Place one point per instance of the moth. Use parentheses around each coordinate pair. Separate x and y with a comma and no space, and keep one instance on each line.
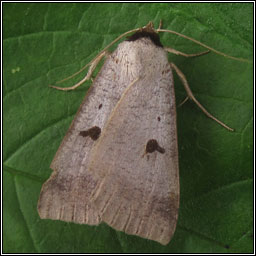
(118,162)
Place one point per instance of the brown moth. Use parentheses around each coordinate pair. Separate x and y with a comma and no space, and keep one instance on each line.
(118,162)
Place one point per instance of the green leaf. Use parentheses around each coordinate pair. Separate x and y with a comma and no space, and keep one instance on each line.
(46,42)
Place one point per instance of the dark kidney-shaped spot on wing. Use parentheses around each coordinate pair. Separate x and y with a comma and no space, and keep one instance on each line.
(152,146)
(93,132)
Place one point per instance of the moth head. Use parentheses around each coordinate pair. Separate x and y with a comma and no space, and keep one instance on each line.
(149,27)
(147,32)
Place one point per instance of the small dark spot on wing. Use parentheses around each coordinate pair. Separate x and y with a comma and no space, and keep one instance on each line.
(100,106)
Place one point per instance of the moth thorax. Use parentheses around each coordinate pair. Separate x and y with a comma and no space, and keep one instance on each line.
(140,56)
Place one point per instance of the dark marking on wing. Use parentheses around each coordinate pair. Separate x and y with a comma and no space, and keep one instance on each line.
(93,132)
(159,119)
(152,146)
(100,106)
(146,32)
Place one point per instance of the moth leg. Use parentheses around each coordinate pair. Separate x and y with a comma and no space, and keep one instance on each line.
(192,97)
(160,24)
(93,65)
(171,50)
(185,100)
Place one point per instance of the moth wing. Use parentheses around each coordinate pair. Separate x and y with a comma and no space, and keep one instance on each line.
(65,195)
(139,191)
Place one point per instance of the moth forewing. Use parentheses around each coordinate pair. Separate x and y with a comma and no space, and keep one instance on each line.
(65,196)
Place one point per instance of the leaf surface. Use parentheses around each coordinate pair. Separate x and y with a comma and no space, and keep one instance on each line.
(46,42)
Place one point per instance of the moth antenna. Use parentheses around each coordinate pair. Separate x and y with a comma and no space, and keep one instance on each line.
(203,45)
(168,49)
